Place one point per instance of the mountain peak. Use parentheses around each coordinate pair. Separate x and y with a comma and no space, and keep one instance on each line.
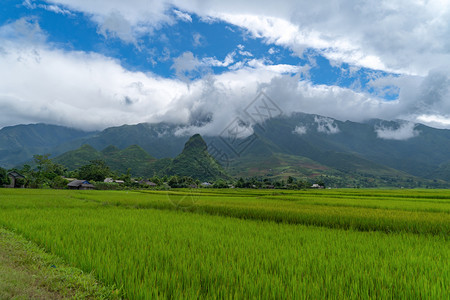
(195,143)
(195,161)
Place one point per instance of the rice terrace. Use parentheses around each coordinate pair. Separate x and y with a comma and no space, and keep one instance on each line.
(243,243)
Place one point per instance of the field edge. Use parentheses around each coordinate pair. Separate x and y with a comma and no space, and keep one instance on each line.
(27,271)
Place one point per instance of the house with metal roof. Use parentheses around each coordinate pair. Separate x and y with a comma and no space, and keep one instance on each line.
(80,185)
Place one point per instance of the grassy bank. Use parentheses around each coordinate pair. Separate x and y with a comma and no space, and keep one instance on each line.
(28,272)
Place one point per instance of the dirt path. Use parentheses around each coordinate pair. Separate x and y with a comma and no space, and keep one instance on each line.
(27,272)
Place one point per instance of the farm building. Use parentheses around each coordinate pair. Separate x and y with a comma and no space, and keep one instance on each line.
(80,185)
(317,186)
(13,176)
(110,180)
(148,182)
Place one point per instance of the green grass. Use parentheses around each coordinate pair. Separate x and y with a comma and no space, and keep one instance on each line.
(28,272)
(173,253)
(421,211)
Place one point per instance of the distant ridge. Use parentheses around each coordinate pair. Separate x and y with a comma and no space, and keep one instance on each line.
(374,153)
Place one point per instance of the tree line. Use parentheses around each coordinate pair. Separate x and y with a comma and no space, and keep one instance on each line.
(47,174)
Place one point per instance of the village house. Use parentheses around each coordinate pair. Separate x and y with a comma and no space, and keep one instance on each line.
(148,182)
(110,180)
(80,185)
(13,176)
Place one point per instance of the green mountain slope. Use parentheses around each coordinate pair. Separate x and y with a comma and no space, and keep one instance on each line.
(19,143)
(196,162)
(357,147)
(193,161)
(133,157)
(77,158)
(345,148)
(159,140)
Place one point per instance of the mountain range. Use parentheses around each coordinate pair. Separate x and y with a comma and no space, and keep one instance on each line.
(373,153)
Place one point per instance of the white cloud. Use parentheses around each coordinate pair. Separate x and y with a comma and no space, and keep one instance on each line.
(198,39)
(245,53)
(435,120)
(406,131)
(272,51)
(127,20)
(326,125)
(28,4)
(186,65)
(91,91)
(25,31)
(56,9)
(114,24)
(82,90)
(408,37)
(300,130)
(87,90)
(183,16)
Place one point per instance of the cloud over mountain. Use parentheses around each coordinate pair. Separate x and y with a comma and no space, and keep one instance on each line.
(404,132)
(41,81)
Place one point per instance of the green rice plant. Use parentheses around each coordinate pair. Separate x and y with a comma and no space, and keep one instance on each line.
(170,253)
(416,215)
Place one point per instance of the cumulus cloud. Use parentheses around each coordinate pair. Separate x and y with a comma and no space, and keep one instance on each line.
(186,66)
(114,24)
(326,125)
(402,36)
(126,20)
(91,91)
(83,90)
(409,39)
(405,131)
(25,31)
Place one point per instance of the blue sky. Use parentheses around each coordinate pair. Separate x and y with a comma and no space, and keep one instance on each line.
(152,61)
(155,53)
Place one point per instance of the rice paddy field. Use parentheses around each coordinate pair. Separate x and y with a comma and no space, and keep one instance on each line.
(271,244)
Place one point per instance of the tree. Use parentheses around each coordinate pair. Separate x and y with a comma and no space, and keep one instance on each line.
(173,181)
(290,180)
(96,170)
(155,179)
(46,168)
(240,183)
(220,184)
(4,179)
(45,172)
